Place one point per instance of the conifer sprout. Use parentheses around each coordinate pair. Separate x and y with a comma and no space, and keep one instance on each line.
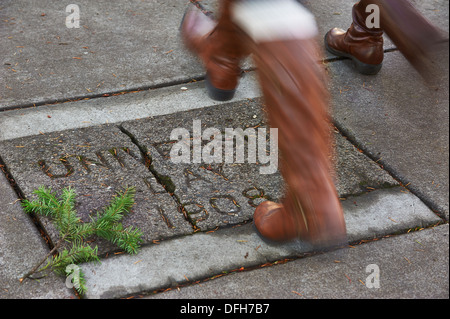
(74,233)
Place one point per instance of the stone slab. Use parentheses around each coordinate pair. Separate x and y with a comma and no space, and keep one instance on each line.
(204,255)
(355,173)
(21,247)
(399,122)
(119,47)
(96,162)
(221,194)
(214,194)
(116,108)
(127,46)
(411,266)
(385,212)
(99,160)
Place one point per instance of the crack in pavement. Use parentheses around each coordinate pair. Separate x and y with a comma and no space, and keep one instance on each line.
(164,180)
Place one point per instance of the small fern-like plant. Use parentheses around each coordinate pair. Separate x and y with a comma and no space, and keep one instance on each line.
(74,233)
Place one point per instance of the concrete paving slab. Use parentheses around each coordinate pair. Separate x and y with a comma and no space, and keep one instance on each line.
(127,46)
(355,173)
(224,193)
(398,121)
(410,266)
(220,193)
(115,109)
(96,162)
(117,47)
(99,159)
(204,255)
(21,247)
(385,212)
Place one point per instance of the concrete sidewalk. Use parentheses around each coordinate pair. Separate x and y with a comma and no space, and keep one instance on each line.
(123,82)
(408,266)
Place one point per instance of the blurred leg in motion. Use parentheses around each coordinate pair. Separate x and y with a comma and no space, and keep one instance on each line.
(281,35)
(219,46)
(293,85)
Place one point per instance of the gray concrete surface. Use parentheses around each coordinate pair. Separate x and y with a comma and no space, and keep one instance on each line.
(400,122)
(115,109)
(126,46)
(21,247)
(392,159)
(118,47)
(98,161)
(408,266)
(204,255)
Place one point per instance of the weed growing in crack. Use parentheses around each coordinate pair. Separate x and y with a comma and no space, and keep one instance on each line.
(74,233)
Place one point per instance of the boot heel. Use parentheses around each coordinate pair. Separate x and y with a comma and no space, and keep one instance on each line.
(367,69)
(218,94)
(363,68)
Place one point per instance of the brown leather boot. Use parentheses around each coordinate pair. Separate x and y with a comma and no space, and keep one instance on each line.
(294,88)
(317,219)
(415,37)
(219,47)
(361,44)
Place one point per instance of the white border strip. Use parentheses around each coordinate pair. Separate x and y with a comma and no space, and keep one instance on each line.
(131,106)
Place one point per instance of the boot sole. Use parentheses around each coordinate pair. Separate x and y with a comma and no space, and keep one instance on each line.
(363,68)
(271,242)
(218,94)
(213,92)
(312,247)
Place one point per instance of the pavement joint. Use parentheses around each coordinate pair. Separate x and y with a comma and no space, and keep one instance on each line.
(390,170)
(189,283)
(164,180)
(74,99)
(387,167)
(392,178)
(20,196)
(101,95)
(378,215)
